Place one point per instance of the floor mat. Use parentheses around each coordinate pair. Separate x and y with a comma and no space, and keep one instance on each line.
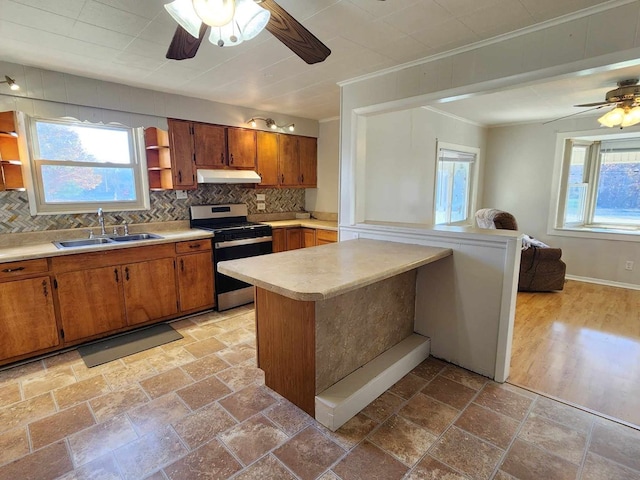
(127,344)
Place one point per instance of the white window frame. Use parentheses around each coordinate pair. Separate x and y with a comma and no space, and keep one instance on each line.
(473,181)
(34,184)
(586,229)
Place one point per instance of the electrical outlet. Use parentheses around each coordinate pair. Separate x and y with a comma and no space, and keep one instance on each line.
(628,265)
(261,197)
(261,206)
(181,194)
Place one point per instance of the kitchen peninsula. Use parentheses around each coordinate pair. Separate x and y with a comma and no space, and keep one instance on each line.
(335,323)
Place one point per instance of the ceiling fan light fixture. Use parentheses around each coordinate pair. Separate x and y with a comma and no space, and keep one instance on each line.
(228,35)
(612,118)
(215,13)
(183,12)
(631,117)
(251,18)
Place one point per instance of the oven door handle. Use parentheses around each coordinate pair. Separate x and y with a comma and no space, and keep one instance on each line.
(244,241)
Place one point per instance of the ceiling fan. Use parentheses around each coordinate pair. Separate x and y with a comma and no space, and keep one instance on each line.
(626,99)
(193,26)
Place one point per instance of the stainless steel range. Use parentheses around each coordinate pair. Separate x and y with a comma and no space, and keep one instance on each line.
(233,237)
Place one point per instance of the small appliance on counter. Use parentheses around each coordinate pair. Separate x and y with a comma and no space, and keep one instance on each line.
(233,237)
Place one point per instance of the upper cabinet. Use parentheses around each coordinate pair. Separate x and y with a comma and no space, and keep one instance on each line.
(210,145)
(241,145)
(287,160)
(10,158)
(182,154)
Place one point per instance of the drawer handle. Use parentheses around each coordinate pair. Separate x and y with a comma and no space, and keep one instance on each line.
(194,245)
(9,270)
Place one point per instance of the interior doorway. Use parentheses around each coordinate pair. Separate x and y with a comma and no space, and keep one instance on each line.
(581,346)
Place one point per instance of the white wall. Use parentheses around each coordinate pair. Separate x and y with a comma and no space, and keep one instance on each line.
(325,197)
(400,163)
(519,178)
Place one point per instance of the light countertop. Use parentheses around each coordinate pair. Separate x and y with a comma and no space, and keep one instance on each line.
(304,222)
(326,271)
(29,250)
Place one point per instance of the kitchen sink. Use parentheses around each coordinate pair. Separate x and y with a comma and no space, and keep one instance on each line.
(135,236)
(111,240)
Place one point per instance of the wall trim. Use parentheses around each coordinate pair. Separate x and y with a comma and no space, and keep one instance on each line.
(599,281)
(602,7)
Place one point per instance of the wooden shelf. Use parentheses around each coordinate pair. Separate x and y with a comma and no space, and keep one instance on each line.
(158,159)
(10,160)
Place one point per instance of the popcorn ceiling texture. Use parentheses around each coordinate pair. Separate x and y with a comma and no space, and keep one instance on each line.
(16,218)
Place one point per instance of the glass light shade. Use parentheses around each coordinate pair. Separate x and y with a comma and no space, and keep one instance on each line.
(215,13)
(612,117)
(228,35)
(251,18)
(14,86)
(631,117)
(182,12)
(292,127)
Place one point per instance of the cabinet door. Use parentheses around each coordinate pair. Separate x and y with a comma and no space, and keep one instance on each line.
(90,302)
(27,317)
(149,290)
(210,145)
(183,165)
(308,161)
(242,147)
(309,237)
(279,240)
(294,238)
(288,160)
(195,280)
(267,158)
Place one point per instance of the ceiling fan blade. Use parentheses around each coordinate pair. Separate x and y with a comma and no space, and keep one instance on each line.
(594,104)
(291,32)
(183,45)
(594,107)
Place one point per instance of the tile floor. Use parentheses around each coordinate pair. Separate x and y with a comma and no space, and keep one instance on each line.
(197,408)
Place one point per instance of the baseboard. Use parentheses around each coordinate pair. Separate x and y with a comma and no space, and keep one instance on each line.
(609,283)
(340,402)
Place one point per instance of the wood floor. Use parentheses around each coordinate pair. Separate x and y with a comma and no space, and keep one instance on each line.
(581,345)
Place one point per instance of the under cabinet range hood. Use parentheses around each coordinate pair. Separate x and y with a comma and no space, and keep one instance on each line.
(227,176)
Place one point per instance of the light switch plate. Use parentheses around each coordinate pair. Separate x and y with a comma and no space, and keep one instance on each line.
(260,197)
(181,194)
(261,206)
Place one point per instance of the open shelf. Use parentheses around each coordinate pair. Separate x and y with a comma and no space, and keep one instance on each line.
(156,143)
(10,160)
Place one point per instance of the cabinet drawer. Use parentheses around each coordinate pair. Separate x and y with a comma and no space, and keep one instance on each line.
(193,246)
(26,267)
(327,235)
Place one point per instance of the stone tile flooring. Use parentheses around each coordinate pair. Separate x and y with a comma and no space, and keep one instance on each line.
(197,408)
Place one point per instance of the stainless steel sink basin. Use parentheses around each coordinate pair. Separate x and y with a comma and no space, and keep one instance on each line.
(111,240)
(82,243)
(135,236)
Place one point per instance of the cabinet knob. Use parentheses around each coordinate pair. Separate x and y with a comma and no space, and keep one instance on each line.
(222,159)
(282,178)
(231,158)
(182,265)
(301,178)
(126,273)
(180,176)
(45,291)
(116,272)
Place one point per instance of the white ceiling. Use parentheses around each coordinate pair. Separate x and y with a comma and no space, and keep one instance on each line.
(125,41)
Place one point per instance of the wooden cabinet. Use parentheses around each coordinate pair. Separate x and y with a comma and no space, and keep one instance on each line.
(195,281)
(91,302)
(308,237)
(326,236)
(182,155)
(209,145)
(241,146)
(149,290)
(10,151)
(279,240)
(286,160)
(294,238)
(27,316)
(159,166)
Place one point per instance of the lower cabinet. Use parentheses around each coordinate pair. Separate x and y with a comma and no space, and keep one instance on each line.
(149,290)
(291,238)
(28,317)
(195,281)
(326,236)
(91,302)
(279,240)
(308,237)
(294,238)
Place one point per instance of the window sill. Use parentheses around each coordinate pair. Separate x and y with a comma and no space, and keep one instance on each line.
(617,234)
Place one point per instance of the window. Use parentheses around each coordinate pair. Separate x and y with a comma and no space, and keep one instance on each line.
(78,167)
(455,178)
(602,183)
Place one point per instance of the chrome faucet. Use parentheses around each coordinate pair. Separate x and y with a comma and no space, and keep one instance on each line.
(101,222)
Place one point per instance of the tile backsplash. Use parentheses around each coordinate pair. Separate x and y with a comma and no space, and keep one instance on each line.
(16,218)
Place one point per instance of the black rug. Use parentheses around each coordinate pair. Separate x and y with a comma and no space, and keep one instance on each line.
(126,344)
